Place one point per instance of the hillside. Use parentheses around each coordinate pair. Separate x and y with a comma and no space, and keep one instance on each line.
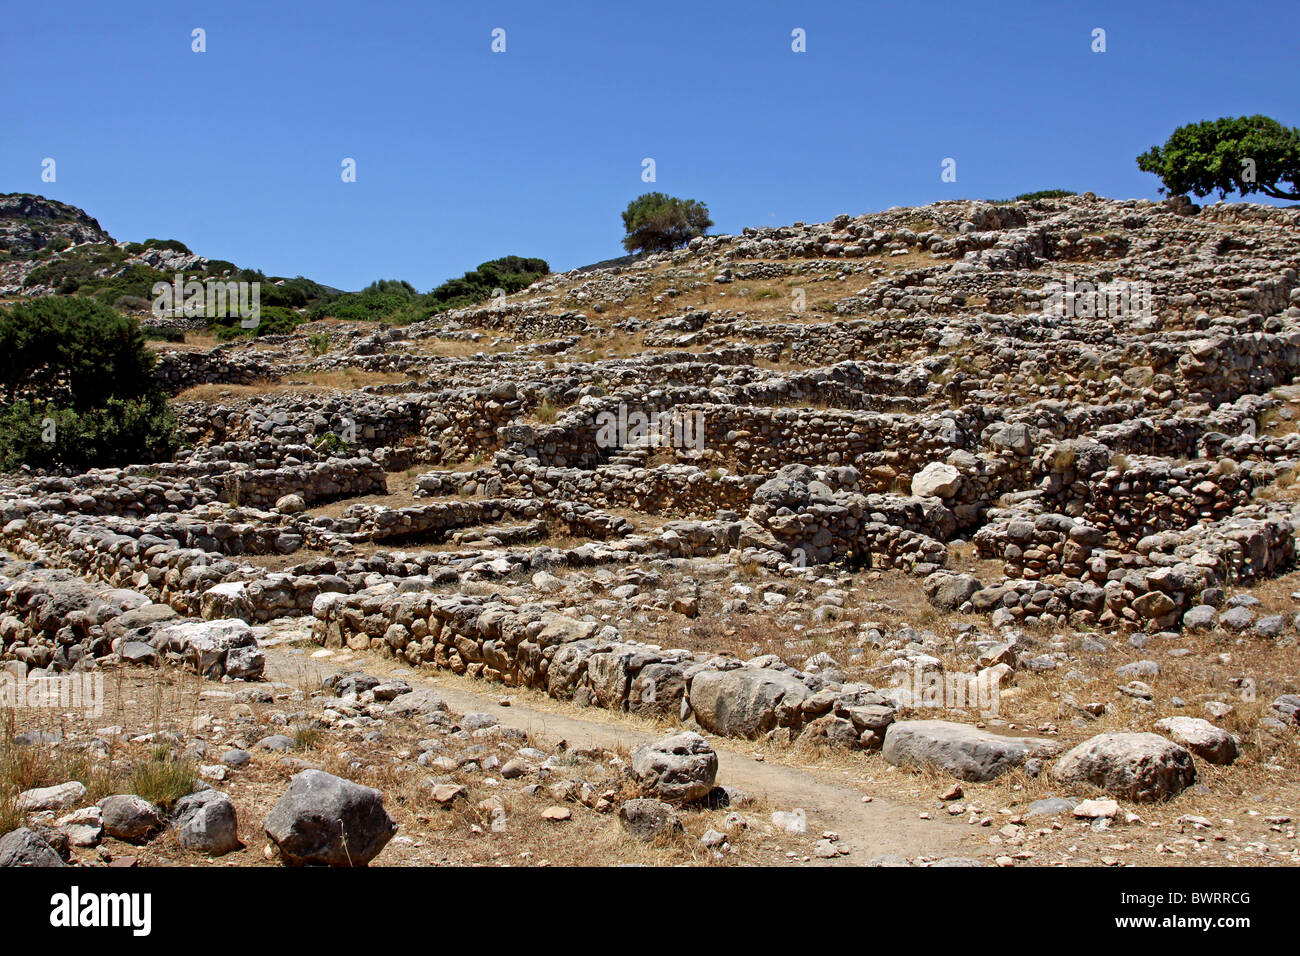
(51,248)
(944,527)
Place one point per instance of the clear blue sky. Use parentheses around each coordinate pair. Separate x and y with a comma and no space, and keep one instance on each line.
(464,155)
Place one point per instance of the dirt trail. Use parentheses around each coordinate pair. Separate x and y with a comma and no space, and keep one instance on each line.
(881,828)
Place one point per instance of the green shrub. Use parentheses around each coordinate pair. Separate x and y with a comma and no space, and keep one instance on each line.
(1046,194)
(330,442)
(174,244)
(396,302)
(120,432)
(78,388)
(376,301)
(133,303)
(1038,194)
(272,320)
(164,333)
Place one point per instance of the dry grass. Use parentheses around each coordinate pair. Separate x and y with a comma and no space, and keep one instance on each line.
(347,378)
(429,833)
(300,383)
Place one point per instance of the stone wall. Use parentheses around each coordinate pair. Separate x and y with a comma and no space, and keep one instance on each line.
(591,665)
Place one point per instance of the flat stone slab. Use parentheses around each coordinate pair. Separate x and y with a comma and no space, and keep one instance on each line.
(960,750)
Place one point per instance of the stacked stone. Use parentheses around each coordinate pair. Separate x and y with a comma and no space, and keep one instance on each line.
(591,665)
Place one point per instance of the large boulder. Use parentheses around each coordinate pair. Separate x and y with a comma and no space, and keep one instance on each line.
(214,648)
(1015,438)
(1202,738)
(1139,767)
(1201,618)
(350,683)
(1287,707)
(961,750)
(26,847)
(657,691)
(130,818)
(228,599)
(140,624)
(416,703)
(948,591)
(794,486)
(138,652)
(326,820)
(565,630)
(677,768)
(936,480)
(290,504)
(206,822)
(746,701)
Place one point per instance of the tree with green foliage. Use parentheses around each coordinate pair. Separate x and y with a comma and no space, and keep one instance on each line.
(78,389)
(656,222)
(1244,154)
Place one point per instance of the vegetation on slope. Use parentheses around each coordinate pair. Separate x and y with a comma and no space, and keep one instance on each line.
(77,388)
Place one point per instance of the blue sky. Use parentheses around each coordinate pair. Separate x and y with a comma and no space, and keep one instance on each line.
(464,154)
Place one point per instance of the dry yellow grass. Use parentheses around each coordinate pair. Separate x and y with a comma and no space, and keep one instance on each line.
(164,701)
(301,383)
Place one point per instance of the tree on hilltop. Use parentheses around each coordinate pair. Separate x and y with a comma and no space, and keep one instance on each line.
(655,222)
(1244,154)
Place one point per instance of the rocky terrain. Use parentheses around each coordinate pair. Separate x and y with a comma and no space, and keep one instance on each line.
(962,534)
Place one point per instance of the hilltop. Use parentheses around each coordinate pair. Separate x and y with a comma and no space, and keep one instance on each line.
(975,521)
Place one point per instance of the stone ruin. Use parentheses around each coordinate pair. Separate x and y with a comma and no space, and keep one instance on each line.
(1107,470)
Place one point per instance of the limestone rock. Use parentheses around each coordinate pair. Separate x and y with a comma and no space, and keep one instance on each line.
(1139,767)
(678,768)
(324,819)
(961,750)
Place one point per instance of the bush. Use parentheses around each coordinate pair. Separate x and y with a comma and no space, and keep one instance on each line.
(272,320)
(121,432)
(659,223)
(374,302)
(396,302)
(174,244)
(133,303)
(1037,194)
(1046,194)
(164,333)
(78,388)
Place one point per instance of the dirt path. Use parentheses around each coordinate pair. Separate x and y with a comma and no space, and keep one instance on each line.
(881,828)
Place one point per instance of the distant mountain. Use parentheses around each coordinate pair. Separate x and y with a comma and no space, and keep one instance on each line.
(51,248)
(32,224)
